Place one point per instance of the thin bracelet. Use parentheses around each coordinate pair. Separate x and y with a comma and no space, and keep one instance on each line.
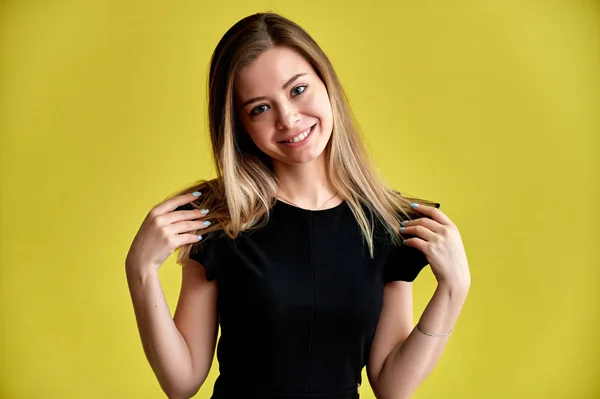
(434,334)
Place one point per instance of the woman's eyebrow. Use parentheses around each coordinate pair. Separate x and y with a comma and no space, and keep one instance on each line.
(285,86)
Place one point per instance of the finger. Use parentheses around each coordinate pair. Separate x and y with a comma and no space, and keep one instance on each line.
(426,222)
(433,212)
(419,231)
(179,200)
(415,242)
(172,218)
(183,239)
(186,212)
(187,226)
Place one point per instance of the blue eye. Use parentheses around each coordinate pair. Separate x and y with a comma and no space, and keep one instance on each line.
(255,110)
(299,87)
(262,108)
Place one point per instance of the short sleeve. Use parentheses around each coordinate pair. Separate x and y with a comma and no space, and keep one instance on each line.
(404,264)
(211,253)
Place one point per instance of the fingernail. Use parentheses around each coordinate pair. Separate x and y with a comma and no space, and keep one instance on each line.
(199,238)
(204,211)
(403,241)
(414,205)
(196,193)
(206,223)
(404,223)
(402,228)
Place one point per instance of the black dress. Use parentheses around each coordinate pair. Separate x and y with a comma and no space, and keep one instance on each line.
(299,301)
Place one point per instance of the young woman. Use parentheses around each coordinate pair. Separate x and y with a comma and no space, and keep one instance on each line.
(297,249)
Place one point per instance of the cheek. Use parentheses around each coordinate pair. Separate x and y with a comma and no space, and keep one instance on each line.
(259,132)
(323,106)
(252,127)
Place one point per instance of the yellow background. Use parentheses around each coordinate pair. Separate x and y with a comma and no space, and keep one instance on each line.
(489,107)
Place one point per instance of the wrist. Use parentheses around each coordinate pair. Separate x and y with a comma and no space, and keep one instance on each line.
(454,288)
(139,273)
(456,294)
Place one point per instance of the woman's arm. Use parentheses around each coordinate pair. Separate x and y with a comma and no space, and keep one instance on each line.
(180,349)
(409,363)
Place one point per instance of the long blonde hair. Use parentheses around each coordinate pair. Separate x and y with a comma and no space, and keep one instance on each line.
(244,191)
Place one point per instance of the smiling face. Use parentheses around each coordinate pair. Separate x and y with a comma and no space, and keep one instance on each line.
(284,106)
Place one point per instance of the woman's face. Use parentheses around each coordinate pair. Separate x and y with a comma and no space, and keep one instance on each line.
(284,106)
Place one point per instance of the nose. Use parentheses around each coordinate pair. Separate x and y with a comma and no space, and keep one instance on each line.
(288,116)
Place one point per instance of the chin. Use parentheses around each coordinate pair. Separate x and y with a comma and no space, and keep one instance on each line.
(302,160)
(299,159)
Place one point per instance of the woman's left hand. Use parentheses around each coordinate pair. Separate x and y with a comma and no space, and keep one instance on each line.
(438,238)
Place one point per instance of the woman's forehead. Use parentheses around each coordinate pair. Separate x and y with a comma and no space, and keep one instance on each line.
(271,70)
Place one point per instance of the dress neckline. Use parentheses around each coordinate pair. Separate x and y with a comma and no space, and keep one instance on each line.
(298,209)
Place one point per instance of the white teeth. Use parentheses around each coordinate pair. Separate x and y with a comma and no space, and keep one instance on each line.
(300,137)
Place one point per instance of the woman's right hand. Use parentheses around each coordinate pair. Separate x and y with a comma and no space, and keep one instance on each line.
(163,231)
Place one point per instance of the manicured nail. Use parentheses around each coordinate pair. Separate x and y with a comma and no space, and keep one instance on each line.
(196,193)
(199,238)
(402,228)
(414,205)
(403,241)
(206,223)
(204,211)
(404,223)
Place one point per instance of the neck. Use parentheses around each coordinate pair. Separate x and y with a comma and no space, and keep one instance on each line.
(305,185)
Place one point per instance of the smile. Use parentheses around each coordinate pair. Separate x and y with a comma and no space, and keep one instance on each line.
(299,138)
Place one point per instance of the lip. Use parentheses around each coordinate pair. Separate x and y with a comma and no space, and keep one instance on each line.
(298,144)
